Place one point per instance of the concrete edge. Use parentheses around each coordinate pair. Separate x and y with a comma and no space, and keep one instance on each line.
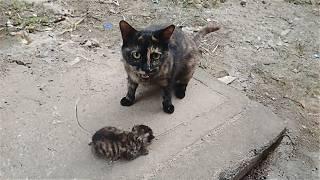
(242,168)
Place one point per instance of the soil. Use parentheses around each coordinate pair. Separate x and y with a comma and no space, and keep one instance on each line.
(271,47)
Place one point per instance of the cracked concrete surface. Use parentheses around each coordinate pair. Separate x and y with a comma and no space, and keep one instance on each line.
(214,127)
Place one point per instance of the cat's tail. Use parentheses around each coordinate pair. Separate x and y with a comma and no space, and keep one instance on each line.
(211,27)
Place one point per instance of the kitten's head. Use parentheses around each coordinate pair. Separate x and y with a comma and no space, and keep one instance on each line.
(143,132)
(145,50)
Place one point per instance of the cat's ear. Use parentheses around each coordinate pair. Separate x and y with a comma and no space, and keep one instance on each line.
(126,30)
(165,34)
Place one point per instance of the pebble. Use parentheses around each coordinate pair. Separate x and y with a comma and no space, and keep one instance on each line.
(243,3)
(295,70)
(227,79)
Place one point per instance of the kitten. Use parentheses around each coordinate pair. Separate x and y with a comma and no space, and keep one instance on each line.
(161,55)
(113,143)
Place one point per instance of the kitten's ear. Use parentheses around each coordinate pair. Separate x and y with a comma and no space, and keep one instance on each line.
(165,34)
(126,30)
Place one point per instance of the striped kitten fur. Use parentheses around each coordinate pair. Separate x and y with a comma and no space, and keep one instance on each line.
(113,143)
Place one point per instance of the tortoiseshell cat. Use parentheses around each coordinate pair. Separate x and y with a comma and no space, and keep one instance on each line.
(161,55)
(113,143)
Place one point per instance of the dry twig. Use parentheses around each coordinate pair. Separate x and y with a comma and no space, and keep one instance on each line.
(76,111)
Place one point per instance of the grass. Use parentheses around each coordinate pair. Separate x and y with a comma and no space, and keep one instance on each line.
(24,16)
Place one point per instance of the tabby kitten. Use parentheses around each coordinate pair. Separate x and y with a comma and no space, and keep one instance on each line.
(161,55)
(113,143)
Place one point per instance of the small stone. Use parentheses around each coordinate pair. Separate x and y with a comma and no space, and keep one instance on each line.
(221,73)
(112,11)
(243,3)
(227,79)
(90,43)
(9,23)
(295,70)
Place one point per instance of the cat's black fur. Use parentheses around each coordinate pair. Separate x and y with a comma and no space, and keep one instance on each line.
(161,55)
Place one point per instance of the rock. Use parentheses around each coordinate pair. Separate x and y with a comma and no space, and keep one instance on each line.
(24,37)
(295,70)
(9,23)
(93,43)
(221,73)
(227,79)
(243,3)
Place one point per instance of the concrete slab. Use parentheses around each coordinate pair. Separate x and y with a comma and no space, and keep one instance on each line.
(213,128)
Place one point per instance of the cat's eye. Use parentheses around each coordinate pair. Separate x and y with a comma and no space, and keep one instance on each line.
(136,55)
(155,56)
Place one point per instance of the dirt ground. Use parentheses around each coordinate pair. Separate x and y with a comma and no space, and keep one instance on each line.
(272,48)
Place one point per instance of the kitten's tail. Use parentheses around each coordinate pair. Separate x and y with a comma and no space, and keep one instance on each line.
(211,27)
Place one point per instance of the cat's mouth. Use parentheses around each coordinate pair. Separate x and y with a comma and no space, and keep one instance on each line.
(144,76)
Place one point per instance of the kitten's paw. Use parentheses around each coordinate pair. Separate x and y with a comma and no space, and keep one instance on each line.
(168,108)
(126,102)
(144,152)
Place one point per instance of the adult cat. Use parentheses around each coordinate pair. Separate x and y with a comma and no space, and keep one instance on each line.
(161,55)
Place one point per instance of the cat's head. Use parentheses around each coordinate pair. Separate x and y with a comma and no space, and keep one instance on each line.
(145,50)
(143,132)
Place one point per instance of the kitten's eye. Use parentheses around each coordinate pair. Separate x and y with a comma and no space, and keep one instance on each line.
(155,56)
(136,55)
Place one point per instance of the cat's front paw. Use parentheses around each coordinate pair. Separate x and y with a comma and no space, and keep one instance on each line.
(125,101)
(180,93)
(168,108)
(180,90)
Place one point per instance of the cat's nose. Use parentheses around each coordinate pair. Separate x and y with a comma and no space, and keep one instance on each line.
(146,68)
(148,71)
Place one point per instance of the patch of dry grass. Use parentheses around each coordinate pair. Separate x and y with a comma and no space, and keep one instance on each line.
(19,15)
